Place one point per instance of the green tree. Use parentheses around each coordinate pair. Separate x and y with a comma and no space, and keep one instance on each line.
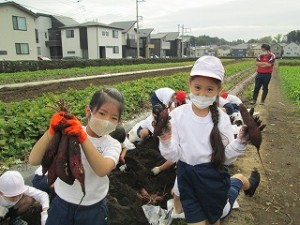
(267,39)
(278,38)
(293,36)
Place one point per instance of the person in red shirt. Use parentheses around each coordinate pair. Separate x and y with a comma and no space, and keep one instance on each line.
(264,62)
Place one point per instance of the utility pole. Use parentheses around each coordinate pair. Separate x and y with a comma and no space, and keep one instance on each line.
(183,30)
(137,28)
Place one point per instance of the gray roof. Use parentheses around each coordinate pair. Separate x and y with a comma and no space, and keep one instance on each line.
(145,32)
(171,36)
(65,20)
(19,7)
(125,25)
(157,36)
(241,46)
(91,24)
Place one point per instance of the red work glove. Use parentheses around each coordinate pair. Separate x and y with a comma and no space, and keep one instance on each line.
(74,127)
(56,122)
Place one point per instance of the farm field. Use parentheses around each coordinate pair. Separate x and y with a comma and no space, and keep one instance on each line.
(277,200)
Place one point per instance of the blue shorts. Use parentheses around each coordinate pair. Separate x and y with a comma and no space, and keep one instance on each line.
(65,213)
(203,191)
(155,100)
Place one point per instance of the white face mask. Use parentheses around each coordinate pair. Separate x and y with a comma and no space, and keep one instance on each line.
(101,127)
(202,102)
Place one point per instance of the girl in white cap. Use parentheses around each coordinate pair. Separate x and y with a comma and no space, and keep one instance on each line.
(200,139)
(12,189)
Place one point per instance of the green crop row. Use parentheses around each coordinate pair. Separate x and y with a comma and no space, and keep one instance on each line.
(22,123)
(290,77)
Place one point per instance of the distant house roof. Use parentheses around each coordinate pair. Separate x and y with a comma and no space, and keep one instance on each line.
(158,36)
(91,24)
(145,32)
(171,36)
(19,7)
(63,20)
(125,25)
(224,47)
(241,46)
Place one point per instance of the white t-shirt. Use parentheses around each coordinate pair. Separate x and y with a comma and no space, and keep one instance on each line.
(233,99)
(40,196)
(165,95)
(190,140)
(147,123)
(96,187)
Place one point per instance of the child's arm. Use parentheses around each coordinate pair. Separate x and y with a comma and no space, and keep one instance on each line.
(39,149)
(40,196)
(102,165)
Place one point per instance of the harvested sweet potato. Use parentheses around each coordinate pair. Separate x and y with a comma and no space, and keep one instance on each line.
(254,132)
(50,152)
(63,170)
(161,117)
(75,161)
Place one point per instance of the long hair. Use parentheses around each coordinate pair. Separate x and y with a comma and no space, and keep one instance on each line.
(218,153)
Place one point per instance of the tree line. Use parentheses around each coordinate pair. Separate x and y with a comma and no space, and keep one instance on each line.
(204,40)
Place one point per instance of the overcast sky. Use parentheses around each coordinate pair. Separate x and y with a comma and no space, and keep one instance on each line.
(228,19)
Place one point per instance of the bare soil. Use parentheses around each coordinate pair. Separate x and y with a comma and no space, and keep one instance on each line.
(276,200)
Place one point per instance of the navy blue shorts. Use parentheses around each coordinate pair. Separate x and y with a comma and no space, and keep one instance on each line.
(65,213)
(203,191)
(155,100)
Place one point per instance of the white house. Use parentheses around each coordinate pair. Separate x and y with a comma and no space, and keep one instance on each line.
(91,40)
(291,50)
(17,29)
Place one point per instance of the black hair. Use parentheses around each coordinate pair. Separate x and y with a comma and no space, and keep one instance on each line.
(218,153)
(119,133)
(266,46)
(101,97)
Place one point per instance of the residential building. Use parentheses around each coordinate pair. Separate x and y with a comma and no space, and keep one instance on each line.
(240,50)
(186,45)
(175,44)
(291,50)
(161,45)
(129,38)
(147,47)
(277,49)
(223,51)
(48,34)
(17,28)
(92,40)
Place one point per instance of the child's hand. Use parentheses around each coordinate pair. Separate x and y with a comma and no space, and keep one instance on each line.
(166,134)
(3,211)
(74,127)
(44,217)
(56,122)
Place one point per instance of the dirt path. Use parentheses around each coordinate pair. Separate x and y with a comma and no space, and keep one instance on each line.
(277,200)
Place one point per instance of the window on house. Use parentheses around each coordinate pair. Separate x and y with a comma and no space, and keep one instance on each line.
(3,52)
(36,36)
(115,34)
(46,35)
(107,33)
(71,52)
(22,49)
(69,33)
(103,33)
(116,49)
(19,23)
(39,51)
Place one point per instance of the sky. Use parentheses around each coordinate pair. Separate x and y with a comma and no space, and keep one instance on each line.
(228,19)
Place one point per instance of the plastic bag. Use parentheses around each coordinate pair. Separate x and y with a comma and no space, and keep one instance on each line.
(156,215)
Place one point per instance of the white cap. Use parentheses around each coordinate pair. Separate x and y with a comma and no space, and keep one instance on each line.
(208,66)
(12,184)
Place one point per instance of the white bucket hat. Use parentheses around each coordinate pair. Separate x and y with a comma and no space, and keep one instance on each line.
(208,66)
(12,184)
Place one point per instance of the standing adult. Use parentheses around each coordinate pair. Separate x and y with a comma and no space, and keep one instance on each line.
(264,62)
